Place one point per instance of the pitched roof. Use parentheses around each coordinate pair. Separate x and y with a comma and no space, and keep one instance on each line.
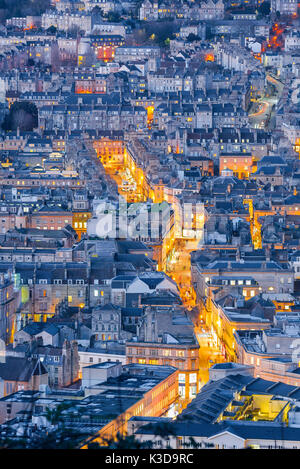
(21,369)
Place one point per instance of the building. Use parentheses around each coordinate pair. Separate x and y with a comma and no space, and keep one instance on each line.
(166,337)
(18,374)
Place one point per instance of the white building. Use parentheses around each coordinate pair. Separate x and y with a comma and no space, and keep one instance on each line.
(66,21)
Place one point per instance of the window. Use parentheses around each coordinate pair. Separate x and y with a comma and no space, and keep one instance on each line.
(153,362)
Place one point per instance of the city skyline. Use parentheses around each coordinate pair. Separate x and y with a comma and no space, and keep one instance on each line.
(149,226)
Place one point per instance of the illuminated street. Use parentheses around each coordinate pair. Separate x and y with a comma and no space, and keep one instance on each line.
(263,109)
(261,117)
(177,266)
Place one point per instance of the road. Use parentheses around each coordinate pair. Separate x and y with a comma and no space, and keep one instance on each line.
(178,267)
(261,118)
(263,109)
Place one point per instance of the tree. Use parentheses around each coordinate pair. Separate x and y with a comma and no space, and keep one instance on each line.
(121,442)
(113,17)
(264,8)
(22,115)
(54,415)
(12,8)
(130,23)
(192,37)
(162,31)
(97,11)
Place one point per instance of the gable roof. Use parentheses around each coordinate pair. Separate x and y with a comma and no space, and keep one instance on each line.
(21,369)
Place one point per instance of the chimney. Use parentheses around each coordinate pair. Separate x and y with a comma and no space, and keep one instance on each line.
(268,254)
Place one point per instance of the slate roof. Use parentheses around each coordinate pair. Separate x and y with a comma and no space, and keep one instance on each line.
(246,431)
(20,369)
(35,328)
